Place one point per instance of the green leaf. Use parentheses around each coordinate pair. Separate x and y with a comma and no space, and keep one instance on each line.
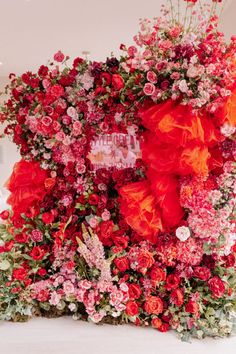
(5,264)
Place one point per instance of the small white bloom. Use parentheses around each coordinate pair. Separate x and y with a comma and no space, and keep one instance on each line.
(182,233)
(183,86)
(227,130)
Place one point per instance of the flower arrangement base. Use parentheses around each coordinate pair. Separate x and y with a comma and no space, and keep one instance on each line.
(122,209)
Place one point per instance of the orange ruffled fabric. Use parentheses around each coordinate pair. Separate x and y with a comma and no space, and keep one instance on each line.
(139,207)
(27,185)
(177,143)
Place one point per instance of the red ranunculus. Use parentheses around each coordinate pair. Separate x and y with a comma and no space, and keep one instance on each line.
(153,305)
(216,286)
(19,274)
(134,291)
(37,253)
(122,263)
(177,297)
(172,281)
(132,308)
(117,82)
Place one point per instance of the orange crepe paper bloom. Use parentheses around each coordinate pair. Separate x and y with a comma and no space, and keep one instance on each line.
(27,186)
(141,212)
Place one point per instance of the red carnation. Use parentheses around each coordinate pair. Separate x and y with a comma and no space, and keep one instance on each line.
(134,291)
(122,263)
(117,82)
(132,308)
(216,286)
(153,305)
(19,274)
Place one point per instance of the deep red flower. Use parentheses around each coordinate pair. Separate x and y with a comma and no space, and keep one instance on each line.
(134,291)
(157,275)
(19,274)
(37,253)
(132,308)
(117,82)
(172,281)
(122,263)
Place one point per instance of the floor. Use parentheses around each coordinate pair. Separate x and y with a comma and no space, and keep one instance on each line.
(65,336)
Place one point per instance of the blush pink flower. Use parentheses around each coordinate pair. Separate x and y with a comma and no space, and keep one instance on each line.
(149,89)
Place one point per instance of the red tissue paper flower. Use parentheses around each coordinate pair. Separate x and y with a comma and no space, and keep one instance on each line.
(28,186)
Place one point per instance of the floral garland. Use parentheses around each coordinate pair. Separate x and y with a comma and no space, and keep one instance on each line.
(153,243)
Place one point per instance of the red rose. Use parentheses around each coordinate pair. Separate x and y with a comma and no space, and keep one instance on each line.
(49,183)
(202,273)
(157,275)
(106,228)
(134,291)
(145,261)
(117,82)
(122,263)
(153,305)
(19,274)
(21,238)
(120,241)
(77,61)
(4,215)
(172,281)
(132,308)
(93,199)
(164,327)
(48,217)
(156,323)
(216,286)
(37,253)
(192,307)
(59,56)
(177,297)
(106,78)
(42,272)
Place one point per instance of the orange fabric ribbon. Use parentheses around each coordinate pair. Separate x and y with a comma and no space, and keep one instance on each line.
(177,143)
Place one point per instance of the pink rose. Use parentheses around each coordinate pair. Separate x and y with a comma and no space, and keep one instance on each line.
(152,77)
(106,215)
(149,89)
(59,56)
(132,50)
(36,236)
(68,287)
(93,222)
(55,298)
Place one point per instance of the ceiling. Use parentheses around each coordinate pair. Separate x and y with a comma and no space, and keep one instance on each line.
(31,31)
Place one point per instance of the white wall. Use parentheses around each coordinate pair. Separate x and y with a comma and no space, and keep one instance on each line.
(8,151)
